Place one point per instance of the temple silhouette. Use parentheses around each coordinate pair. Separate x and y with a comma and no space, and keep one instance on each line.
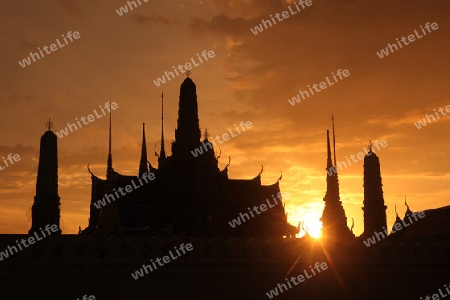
(191,201)
(189,195)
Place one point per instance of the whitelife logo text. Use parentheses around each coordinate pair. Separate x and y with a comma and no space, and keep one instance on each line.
(27,61)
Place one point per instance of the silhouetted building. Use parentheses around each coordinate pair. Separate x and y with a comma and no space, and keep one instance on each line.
(334,221)
(374,208)
(143,163)
(411,263)
(431,226)
(108,219)
(46,206)
(189,194)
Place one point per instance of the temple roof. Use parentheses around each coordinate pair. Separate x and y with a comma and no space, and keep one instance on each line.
(434,225)
(245,192)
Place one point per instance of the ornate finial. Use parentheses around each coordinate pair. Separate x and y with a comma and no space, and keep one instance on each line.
(188,73)
(370,146)
(305,229)
(49,125)
(229,161)
(156,153)
(262,169)
(281,176)
(89,170)
(220,153)
(206,134)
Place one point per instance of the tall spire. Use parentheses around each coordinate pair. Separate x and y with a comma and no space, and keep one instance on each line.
(108,219)
(162,153)
(329,161)
(109,167)
(334,140)
(333,217)
(143,163)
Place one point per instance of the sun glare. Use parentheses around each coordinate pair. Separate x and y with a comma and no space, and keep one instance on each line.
(308,214)
(313,227)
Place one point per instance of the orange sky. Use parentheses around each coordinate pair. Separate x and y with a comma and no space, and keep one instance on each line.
(250,78)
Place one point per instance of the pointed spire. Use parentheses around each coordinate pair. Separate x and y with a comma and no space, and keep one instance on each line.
(109,167)
(329,161)
(333,217)
(334,140)
(108,218)
(408,211)
(397,219)
(143,163)
(162,153)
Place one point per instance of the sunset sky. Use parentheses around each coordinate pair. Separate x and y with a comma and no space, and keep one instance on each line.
(250,78)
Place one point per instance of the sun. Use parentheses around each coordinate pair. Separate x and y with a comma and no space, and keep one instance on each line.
(309,215)
(314,228)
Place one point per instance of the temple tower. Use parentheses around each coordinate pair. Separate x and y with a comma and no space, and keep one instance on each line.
(46,206)
(181,186)
(187,134)
(333,217)
(143,162)
(374,208)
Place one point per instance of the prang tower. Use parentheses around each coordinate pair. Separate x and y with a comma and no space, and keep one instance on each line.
(187,134)
(46,206)
(374,208)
